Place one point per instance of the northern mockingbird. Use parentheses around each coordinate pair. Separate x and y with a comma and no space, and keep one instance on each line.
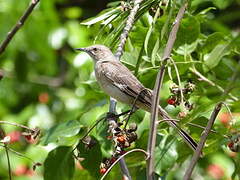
(118,82)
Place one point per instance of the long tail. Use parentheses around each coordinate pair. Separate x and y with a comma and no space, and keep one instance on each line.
(145,103)
(187,138)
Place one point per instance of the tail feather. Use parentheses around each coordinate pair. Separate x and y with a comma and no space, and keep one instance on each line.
(186,137)
(145,104)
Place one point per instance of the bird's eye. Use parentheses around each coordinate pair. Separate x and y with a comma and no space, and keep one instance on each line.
(95,49)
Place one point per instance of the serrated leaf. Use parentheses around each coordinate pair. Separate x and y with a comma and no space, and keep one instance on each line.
(66,129)
(59,164)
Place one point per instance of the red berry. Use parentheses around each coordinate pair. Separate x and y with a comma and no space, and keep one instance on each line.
(230,145)
(103,170)
(20,170)
(122,152)
(29,172)
(109,137)
(14,136)
(216,171)
(121,139)
(225,118)
(171,101)
(43,98)
(113,160)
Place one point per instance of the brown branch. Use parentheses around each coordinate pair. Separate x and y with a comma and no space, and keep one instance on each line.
(156,92)
(127,28)
(203,139)
(18,25)
(153,124)
(173,33)
(118,54)
(121,157)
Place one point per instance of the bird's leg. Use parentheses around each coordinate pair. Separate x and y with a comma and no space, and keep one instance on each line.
(134,108)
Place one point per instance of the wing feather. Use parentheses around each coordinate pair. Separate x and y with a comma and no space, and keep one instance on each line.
(122,78)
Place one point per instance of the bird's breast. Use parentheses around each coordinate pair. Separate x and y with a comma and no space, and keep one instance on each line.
(109,88)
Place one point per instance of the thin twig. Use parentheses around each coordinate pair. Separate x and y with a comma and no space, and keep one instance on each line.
(178,78)
(203,139)
(18,125)
(203,78)
(8,162)
(121,157)
(193,124)
(18,25)
(19,154)
(2,135)
(96,123)
(127,28)
(156,92)
(153,124)
(133,108)
(173,33)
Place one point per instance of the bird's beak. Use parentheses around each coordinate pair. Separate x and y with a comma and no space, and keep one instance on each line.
(81,49)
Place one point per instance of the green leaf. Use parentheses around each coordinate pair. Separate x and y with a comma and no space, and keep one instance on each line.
(92,157)
(165,153)
(189,31)
(187,49)
(212,59)
(103,15)
(154,52)
(66,129)
(222,4)
(148,35)
(59,164)
(211,41)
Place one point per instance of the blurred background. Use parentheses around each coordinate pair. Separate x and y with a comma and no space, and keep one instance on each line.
(47,83)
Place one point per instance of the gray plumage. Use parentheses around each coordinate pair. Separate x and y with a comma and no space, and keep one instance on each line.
(117,81)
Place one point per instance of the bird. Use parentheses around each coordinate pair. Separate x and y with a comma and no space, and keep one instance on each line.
(118,81)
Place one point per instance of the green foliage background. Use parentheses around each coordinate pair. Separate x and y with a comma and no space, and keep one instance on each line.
(49,85)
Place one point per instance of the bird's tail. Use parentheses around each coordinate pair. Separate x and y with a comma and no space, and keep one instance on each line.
(186,137)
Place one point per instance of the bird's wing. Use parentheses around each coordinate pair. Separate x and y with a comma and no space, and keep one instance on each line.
(122,78)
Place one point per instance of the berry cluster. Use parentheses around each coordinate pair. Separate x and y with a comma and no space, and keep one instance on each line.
(122,139)
(175,98)
(234,144)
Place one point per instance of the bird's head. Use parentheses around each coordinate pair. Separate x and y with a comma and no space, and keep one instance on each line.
(98,52)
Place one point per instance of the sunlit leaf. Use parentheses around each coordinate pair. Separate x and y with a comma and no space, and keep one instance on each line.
(103,15)
(59,164)
(66,129)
